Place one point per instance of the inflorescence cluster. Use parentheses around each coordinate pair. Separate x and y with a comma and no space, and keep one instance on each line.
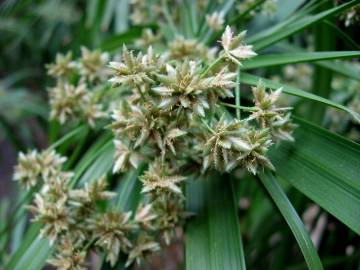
(79,86)
(168,115)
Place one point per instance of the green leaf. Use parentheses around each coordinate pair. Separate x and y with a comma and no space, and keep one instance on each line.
(101,146)
(294,58)
(325,167)
(100,166)
(324,40)
(68,136)
(269,37)
(212,237)
(344,68)
(21,257)
(130,190)
(292,219)
(35,256)
(253,80)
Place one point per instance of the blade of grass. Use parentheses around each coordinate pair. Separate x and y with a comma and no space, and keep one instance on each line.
(297,57)
(253,80)
(344,68)
(292,219)
(213,239)
(322,77)
(262,41)
(324,167)
(101,165)
(68,136)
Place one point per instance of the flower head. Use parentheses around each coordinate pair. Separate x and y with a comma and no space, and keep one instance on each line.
(185,90)
(144,245)
(65,100)
(113,230)
(35,167)
(54,216)
(93,64)
(63,66)
(135,70)
(215,21)
(226,142)
(145,216)
(234,48)
(260,141)
(158,179)
(125,157)
(170,212)
(271,116)
(68,256)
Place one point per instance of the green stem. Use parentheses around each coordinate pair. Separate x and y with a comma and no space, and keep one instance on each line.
(237,94)
(239,107)
(207,126)
(212,65)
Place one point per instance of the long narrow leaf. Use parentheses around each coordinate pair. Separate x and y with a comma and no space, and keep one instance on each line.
(325,167)
(294,58)
(270,38)
(344,68)
(213,239)
(292,219)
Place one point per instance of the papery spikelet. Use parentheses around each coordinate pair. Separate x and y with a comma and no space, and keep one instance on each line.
(63,66)
(158,179)
(113,230)
(144,246)
(233,47)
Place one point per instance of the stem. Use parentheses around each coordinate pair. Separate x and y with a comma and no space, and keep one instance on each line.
(237,94)
(239,107)
(207,126)
(212,65)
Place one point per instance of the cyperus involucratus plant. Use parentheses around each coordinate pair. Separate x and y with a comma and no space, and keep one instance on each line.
(170,115)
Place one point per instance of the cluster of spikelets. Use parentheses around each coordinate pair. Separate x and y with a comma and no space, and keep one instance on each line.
(77,94)
(74,222)
(172,109)
(168,116)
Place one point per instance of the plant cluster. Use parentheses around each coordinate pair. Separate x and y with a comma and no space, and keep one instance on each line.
(168,115)
(78,93)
